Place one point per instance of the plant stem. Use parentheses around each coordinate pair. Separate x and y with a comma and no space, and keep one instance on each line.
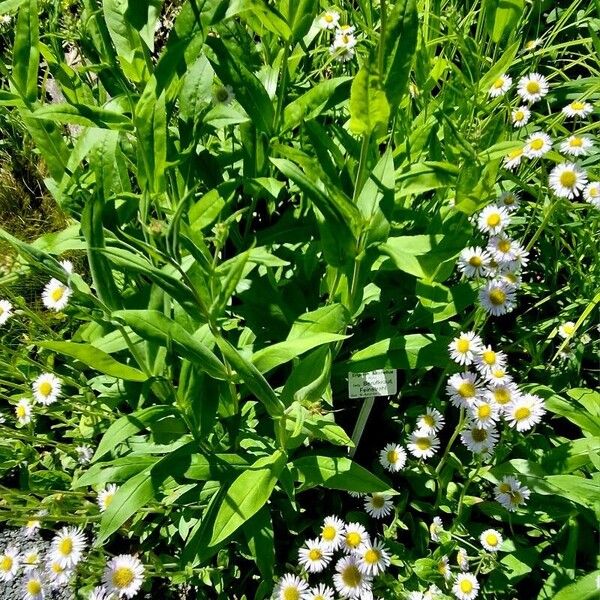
(363,416)
(459,426)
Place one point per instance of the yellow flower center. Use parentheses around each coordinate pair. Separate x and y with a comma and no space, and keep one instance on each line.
(509,199)
(475,261)
(345,39)
(504,488)
(568,328)
(463,345)
(466,389)
(123,576)
(502,396)
(315,554)
(108,499)
(328,533)
(45,388)
(484,411)
(291,593)
(533,87)
(442,567)
(493,220)
(497,297)
(34,587)
(568,179)
(516,497)
(515,153)
(428,420)
(489,357)
(6,563)
(351,576)
(499,83)
(65,547)
(21,411)
(504,245)
(466,587)
(594,191)
(377,501)
(392,456)
(522,413)
(329,18)
(479,435)
(56,568)
(577,105)
(576,142)
(372,556)
(536,144)
(491,539)
(423,443)
(519,115)
(31,559)
(353,539)
(57,293)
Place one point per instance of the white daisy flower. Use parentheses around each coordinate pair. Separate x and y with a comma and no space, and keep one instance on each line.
(489,359)
(443,568)
(329,19)
(33,587)
(513,158)
(577,145)
(84,454)
(431,422)
(491,540)
(105,497)
(510,493)
(566,329)
(525,412)
(464,347)
(479,440)
(343,45)
(348,579)
(591,193)
(532,87)
(332,533)
(502,394)
(9,563)
(58,575)
(378,505)
(30,559)
(520,116)
(500,86)
(56,295)
(373,558)
(67,546)
(493,219)
(463,389)
(415,596)
(6,311)
(474,261)
(314,556)
(342,54)
(577,108)
(32,526)
(466,586)
(462,560)
(502,248)
(497,297)
(435,528)
(509,200)
(484,413)
(423,445)
(355,494)
(67,265)
(567,180)
(23,411)
(353,536)
(537,144)
(124,574)
(223,95)
(321,592)
(393,457)
(100,593)
(46,388)
(520,260)
(345,29)
(498,376)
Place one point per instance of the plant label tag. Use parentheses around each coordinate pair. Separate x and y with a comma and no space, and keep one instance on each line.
(383,382)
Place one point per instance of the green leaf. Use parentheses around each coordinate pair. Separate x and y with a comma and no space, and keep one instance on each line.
(26,54)
(309,379)
(369,108)
(96,359)
(332,318)
(258,531)
(81,114)
(502,16)
(247,495)
(443,302)
(424,177)
(258,14)
(49,142)
(585,588)
(115,471)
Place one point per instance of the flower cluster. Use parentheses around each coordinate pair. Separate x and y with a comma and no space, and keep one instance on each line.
(344,41)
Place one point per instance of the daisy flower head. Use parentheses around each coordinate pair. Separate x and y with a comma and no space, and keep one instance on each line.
(497,297)
(431,422)
(353,536)
(537,144)
(100,593)
(491,540)
(525,412)
(513,158)
(533,44)
(464,347)
(46,388)
(493,219)
(321,592)
(124,574)
(84,454)
(435,528)
(489,359)
(532,88)
(509,200)
(463,389)
(393,457)
(479,440)
(343,46)
(378,505)
(423,445)
(223,95)
(578,108)
(502,394)
(498,376)
(567,180)
(33,587)
(577,145)
(510,493)
(9,563)
(484,413)
(500,86)
(466,586)
(591,193)
(31,528)
(23,411)
(314,556)
(332,532)
(67,546)
(349,581)
(520,116)
(373,558)
(57,575)
(329,19)
(462,560)
(67,265)
(105,497)
(5,311)
(566,329)
(502,248)
(56,295)
(443,568)
(474,262)
(346,28)
(30,559)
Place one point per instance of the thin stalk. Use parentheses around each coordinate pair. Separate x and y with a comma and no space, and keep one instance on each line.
(361,422)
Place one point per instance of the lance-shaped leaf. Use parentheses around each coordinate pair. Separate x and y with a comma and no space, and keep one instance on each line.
(26,54)
(369,108)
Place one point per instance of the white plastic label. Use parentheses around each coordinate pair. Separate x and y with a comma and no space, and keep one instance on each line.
(383,382)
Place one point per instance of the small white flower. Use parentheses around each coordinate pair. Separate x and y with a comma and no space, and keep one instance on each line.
(498,376)
(23,411)
(56,295)
(502,394)
(500,86)
(353,536)
(30,559)
(32,526)
(443,568)
(343,45)
(479,440)
(525,412)
(314,556)
(321,592)
(491,540)
(520,116)
(466,586)
(497,297)
(566,329)
(329,20)
(373,558)
(509,200)
(67,546)
(105,497)
(57,574)
(493,219)
(46,388)
(474,262)
(67,265)
(462,560)
(84,454)
(484,413)
(348,579)
(393,457)
(464,347)
(510,493)
(567,180)
(537,144)
(6,311)
(489,359)
(591,193)
(435,528)
(463,389)
(100,593)
(431,422)
(513,158)
(124,574)
(332,532)
(577,108)
(577,145)
(502,249)
(378,505)
(9,563)
(532,87)
(223,94)
(423,445)
(33,587)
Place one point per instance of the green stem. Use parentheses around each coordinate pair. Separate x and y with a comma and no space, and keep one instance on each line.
(361,422)
(282,86)
(543,224)
(362,167)
(463,494)
(459,426)
(381,56)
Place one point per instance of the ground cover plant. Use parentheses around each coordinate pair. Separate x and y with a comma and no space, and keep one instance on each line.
(213,214)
